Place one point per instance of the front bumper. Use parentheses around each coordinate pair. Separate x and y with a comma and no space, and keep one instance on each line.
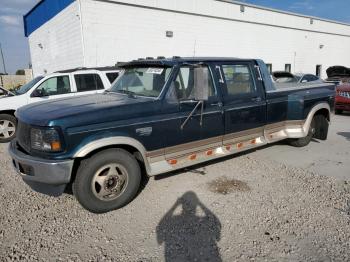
(45,176)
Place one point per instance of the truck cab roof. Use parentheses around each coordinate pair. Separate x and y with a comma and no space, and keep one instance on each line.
(178,60)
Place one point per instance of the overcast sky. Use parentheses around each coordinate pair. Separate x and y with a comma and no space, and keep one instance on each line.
(15,44)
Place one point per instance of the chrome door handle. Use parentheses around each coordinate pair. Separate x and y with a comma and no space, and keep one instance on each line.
(256,99)
(219,104)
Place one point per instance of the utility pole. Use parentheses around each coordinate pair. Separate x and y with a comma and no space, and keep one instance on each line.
(3,60)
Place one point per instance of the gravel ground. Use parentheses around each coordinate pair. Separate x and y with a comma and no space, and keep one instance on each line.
(241,208)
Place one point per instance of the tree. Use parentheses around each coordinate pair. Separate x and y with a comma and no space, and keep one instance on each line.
(20,72)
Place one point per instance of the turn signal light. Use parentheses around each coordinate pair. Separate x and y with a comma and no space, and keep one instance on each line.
(209,152)
(193,157)
(55,146)
(239,145)
(172,162)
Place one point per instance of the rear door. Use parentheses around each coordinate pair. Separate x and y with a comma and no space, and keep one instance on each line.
(244,101)
(89,83)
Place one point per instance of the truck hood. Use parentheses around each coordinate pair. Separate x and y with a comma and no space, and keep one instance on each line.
(84,110)
(338,71)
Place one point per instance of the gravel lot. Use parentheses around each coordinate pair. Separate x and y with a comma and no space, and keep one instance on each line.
(265,205)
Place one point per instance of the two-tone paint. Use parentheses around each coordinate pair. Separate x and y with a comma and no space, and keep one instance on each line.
(150,128)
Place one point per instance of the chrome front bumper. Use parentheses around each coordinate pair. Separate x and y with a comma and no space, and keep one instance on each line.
(45,176)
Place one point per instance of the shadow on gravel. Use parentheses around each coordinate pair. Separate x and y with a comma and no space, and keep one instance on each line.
(190,234)
(344,134)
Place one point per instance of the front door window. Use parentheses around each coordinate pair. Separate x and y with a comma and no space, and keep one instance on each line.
(58,85)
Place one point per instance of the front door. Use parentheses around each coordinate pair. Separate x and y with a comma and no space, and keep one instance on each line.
(52,88)
(244,102)
(204,130)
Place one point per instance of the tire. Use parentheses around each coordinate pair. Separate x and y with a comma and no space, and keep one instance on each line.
(304,141)
(338,111)
(8,128)
(107,181)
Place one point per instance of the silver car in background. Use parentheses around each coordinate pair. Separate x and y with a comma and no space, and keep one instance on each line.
(286,77)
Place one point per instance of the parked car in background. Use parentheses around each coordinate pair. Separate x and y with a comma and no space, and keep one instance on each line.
(338,74)
(62,84)
(342,99)
(286,77)
(5,92)
(159,116)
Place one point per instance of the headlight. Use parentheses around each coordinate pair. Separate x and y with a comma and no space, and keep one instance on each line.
(45,140)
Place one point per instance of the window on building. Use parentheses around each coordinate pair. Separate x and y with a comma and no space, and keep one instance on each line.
(242,8)
(238,79)
(288,68)
(318,70)
(269,67)
(88,82)
(112,76)
(54,86)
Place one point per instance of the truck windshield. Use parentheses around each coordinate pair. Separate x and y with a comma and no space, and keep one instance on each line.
(142,81)
(25,88)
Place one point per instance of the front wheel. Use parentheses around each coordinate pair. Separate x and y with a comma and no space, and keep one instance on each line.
(8,125)
(107,181)
(304,141)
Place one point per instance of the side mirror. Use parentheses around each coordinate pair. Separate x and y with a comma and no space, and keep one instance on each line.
(201,83)
(37,93)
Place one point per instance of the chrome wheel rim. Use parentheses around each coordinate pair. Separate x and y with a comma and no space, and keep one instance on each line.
(7,129)
(109,182)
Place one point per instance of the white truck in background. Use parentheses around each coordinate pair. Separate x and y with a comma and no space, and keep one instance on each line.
(62,84)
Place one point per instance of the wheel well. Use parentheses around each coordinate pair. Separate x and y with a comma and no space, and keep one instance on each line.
(132,150)
(321,125)
(323,112)
(8,112)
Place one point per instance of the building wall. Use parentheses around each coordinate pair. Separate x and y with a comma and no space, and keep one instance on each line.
(57,44)
(13,81)
(120,32)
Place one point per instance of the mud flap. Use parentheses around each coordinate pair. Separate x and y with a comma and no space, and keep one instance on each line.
(321,126)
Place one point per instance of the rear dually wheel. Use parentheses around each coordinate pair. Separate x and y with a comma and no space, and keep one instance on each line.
(304,141)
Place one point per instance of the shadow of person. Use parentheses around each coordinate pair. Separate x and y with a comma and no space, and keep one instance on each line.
(189,231)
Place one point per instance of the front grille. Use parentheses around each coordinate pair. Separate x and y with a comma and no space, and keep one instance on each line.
(23,135)
(344,94)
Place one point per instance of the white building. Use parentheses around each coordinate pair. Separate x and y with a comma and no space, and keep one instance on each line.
(84,33)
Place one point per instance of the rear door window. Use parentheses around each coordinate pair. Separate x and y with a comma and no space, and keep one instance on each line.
(88,82)
(112,76)
(239,79)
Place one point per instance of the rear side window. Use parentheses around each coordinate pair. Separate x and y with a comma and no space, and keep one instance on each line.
(239,79)
(88,82)
(112,76)
(313,78)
